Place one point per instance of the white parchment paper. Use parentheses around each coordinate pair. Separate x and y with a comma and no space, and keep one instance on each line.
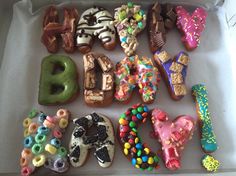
(211,64)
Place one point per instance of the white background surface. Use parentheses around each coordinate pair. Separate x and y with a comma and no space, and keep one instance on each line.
(211,64)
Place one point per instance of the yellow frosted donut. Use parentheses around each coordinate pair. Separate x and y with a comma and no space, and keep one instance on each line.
(51,149)
(39,160)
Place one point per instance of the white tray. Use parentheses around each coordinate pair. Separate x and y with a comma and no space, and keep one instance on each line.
(211,64)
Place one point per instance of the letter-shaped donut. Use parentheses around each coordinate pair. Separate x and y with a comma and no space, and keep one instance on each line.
(95,22)
(58,80)
(174,72)
(41,146)
(129,20)
(208,137)
(52,29)
(134,72)
(160,19)
(134,149)
(103,141)
(172,135)
(93,64)
(191,26)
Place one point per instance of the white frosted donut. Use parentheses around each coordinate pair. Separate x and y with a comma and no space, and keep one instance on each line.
(95,21)
(103,141)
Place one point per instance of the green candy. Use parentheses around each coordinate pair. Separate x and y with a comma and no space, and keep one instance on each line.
(122,15)
(57,87)
(134,130)
(139,153)
(122,116)
(156,159)
(142,169)
(134,111)
(150,168)
(130,30)
(132,124)
(140,109)
(130,4)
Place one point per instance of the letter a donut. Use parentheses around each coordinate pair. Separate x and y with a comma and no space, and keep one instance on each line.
(134,149)
(103,141)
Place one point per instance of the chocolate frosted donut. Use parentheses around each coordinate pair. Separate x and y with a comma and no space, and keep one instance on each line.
(95,22)
(53,30)
(95,94)
(103,141)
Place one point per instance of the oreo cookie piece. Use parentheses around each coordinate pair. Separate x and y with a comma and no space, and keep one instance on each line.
(102,155)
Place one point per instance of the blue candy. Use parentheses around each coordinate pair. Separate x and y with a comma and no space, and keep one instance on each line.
(145,108)
(56,142)
(144,158)
(28,142)
(139,116)
(124,39)
(133,161)
(138,146)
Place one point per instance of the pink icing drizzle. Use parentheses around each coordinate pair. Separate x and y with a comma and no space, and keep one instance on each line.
(173,135)
(191,25)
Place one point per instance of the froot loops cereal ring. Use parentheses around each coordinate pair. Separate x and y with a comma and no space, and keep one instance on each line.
(133,148)
(39,160)
(42,145)
(129,20)
(63,113)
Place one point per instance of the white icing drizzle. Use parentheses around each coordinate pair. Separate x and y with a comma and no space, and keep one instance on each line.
(95,21)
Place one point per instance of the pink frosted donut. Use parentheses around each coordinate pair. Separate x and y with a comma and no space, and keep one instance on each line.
(172,135)
(191,26)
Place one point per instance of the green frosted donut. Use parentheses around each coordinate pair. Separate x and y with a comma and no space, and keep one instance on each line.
(58,80)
